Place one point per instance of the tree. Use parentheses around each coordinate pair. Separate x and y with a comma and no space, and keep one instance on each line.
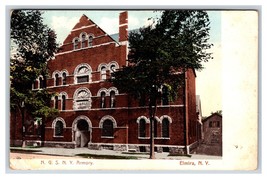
(217,112)
(33,43)
(159,56)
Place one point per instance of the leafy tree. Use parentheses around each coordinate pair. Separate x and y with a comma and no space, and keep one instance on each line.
(217,112)
(160,54)
(33,43)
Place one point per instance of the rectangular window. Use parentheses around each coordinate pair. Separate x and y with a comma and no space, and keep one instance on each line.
(217,123)
(83,79)
(210,124)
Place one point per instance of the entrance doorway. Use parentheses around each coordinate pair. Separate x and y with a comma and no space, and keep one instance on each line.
(82,132)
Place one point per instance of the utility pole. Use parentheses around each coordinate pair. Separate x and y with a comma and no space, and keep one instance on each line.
(23,125)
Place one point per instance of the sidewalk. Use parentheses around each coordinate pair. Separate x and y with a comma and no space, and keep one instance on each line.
(73,152)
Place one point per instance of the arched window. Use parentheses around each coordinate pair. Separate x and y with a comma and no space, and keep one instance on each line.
(41,82)
(59,128)
(165,95)
(103,100)
(64,78)
(112,70)
(90,41)
(112,67)
(83,40)
(107,129)
(82,99)
(75,44)
(103,73)
(83,75)
(56,102)
(112,99)
(57,80)
(63,102)
(165,127)
(142,128)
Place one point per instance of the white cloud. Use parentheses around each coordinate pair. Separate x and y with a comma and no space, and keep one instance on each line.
(63,25)
(133,22)
(209,82)
(109,25)
(147,22)
(61,22)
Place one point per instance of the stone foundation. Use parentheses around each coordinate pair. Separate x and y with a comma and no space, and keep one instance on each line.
(69,145)
(137,148)
(116,147)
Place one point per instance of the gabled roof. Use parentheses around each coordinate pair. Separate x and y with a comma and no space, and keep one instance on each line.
(84,22)
(214,114)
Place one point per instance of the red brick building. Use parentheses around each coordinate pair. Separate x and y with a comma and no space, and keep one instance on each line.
(212,129)
(93,113)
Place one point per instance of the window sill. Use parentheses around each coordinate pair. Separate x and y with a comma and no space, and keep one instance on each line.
(156,138)
(107,137)
(82,83)
(143,137)
(166,138)
(58,136)
(32,135)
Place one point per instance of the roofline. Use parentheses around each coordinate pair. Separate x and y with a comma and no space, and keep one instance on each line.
(211,116)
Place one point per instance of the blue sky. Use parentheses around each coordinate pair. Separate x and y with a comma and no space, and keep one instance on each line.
(208,81)
(62,21)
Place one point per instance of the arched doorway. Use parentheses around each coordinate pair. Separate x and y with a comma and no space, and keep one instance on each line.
(81,133)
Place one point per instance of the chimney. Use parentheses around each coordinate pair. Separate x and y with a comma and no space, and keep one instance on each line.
(123,28)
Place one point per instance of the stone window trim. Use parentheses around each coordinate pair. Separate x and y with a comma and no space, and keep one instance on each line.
(107,91)
(54,126)
(112,99)
(113,89)
(103,99)
(54,76)
(75,42)
(80,89)
(102,90)
(163,134)
(142,117)
(83,39)
(102,68)
(147,120)
(138,128)
(143,137)
(165,116)
(60,97)
(40,81)
(164,138)
(76,73)
(109,118)
(90,40)
(76,98)
(67,74)
(107,137)
(81,117)
(105,133)
(59,119)
(113,63)
(102,65)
